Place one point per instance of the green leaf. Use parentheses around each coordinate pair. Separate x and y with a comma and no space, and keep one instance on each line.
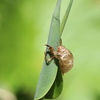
(49,72)
(46,80)
(51,82)
(57,86)
(65,17)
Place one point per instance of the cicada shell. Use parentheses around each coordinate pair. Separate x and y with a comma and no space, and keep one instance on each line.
(64,56)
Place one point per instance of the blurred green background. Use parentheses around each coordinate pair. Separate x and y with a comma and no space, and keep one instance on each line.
(24,27)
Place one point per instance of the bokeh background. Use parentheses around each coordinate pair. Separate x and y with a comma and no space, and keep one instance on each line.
(24,28)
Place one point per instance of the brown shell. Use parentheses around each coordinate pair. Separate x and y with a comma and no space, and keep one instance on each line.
(65,58)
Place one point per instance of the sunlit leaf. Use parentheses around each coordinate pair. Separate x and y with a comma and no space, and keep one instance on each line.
(49,72)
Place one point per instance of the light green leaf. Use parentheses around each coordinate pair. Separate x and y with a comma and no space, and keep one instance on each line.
(57,86)
(51,82)
(65,17)
(49,72)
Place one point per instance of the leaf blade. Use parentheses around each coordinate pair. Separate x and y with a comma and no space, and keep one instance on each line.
(45,82)
(49,72)
(65,17)
(56,88)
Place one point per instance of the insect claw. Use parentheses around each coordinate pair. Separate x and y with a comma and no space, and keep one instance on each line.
(48,45)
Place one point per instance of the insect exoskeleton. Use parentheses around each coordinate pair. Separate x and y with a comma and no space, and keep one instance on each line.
(64,56)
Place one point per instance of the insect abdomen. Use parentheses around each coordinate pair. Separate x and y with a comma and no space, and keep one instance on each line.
(65,59)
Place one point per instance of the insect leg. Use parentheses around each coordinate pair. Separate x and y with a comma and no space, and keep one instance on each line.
(50,52)
(60,41)
(50,48)
(50,58)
